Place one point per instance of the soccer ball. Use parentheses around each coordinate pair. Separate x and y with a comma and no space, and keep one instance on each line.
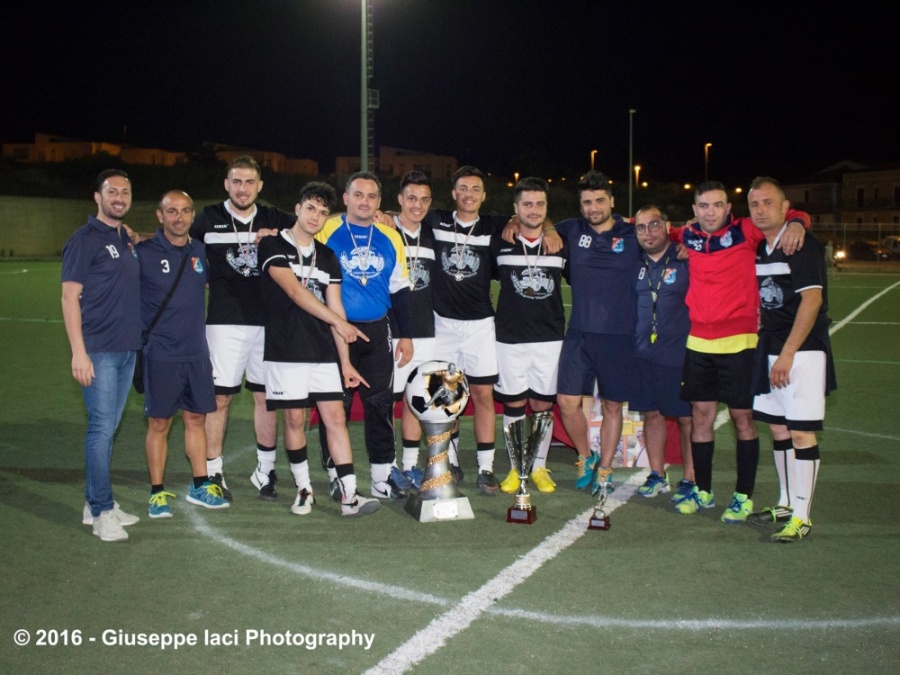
(437,391)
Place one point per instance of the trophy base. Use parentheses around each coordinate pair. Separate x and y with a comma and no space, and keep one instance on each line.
(436,510)
(599,521)
(521,516)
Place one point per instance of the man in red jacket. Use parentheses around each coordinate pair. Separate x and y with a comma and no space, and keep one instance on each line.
(723,301)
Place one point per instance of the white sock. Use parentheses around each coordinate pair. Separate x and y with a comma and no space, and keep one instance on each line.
(453,449)
(214,466)
(805,473)
(485,460)
(301,475)
(348,488)
(784,466)
(381,472)
(544,449)
(410,457)
(266,459)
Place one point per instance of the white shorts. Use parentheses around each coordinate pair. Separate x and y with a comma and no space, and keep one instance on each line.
(233,351)
(423,350)
(801,404)
(300,385)
(468,344)
(527,370)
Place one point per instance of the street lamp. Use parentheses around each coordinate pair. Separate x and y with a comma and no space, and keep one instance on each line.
(593,154)
(637,173)
(631,112)
(706,161)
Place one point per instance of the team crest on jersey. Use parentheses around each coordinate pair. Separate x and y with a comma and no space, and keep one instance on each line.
(533,284)
(618,244)
(668,275)
(352,265)
(197,264)
(245,262)
(770,294)
(419,276)
(726,240)
(464,263)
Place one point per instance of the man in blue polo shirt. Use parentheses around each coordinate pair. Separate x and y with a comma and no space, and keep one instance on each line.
(102,315)
(177,369)
(599,345)
(661,283)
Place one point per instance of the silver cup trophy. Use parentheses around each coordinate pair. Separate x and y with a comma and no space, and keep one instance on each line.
(522,450)
(599,519)
(437,393)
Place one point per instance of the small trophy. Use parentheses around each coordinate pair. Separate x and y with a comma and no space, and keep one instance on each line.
(522,452)
(599,518)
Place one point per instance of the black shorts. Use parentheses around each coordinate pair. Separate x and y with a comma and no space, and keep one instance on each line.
(726,378)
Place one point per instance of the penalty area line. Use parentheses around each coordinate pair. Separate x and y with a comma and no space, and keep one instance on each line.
(452,622)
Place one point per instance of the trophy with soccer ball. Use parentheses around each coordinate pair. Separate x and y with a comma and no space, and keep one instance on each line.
(437,393)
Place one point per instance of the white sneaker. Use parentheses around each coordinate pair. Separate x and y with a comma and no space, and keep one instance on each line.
(360,506)
(125,519)
(303,502)
(108,527)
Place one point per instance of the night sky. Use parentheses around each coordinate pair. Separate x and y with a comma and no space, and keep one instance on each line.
(784,89)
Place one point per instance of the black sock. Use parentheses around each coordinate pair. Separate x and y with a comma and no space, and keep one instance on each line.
(702,453)
(747,461)
(156,488)
(199,480)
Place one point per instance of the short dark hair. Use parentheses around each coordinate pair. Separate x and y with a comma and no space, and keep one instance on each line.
(103,176)
(759,181)
(467,170)
(593,181)
(530,184)
(245,162)
(708,185)
(415,177)
(652,207)
(321,192)
(363,175)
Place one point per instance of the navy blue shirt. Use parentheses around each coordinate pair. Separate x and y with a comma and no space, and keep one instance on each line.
(103,260)
(180,333)
(600,273)
(668,279)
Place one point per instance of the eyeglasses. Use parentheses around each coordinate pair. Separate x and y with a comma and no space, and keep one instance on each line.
(653,226)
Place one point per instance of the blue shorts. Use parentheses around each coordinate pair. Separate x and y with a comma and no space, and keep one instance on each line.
(170,386)
(602,358)
(658,388)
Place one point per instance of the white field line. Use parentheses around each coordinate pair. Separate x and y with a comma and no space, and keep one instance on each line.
(852,315)
(455,620)
(314,573)
(441,629)
(692,625)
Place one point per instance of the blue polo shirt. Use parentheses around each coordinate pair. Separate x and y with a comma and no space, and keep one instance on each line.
(668,279)
(180,333)
(102,259)
(601,267)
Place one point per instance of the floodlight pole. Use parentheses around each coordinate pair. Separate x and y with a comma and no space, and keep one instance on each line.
(364,91)
(630,158)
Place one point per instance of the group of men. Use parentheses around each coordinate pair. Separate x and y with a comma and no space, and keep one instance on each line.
(309,309)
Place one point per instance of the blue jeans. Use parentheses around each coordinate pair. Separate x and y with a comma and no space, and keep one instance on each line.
(105,401)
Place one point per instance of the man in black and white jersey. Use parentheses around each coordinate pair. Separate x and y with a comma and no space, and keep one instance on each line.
(418,244)
(235,321)
(464,316)
(530,322)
